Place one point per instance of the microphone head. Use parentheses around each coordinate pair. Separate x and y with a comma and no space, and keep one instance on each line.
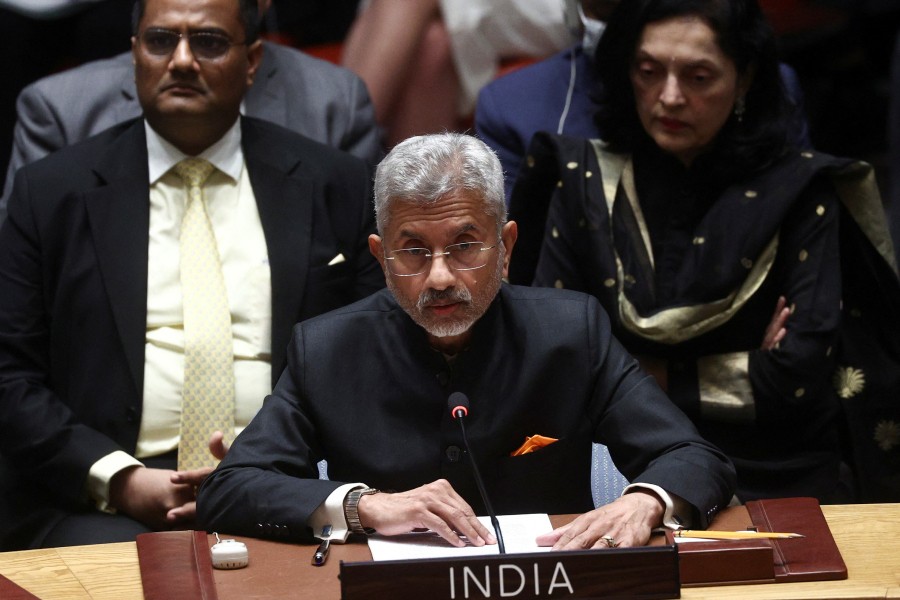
(458,403)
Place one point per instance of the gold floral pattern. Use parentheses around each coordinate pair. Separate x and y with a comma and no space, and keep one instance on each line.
(887,434)
(848,381)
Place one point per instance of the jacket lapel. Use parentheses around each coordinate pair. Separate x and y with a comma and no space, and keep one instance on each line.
(285,201)
(119,217)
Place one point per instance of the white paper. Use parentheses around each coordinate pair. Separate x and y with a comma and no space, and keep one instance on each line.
(519,534)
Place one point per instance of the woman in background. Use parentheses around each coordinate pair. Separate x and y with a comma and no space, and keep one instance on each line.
(715,246)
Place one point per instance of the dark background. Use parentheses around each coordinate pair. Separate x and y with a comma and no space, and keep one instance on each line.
(841,49)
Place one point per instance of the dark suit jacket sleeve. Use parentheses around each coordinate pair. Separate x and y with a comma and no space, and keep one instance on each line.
(318,99)
(41,434)
(268,484)
(34,136)
(35,133)
(644,430)
(67,107)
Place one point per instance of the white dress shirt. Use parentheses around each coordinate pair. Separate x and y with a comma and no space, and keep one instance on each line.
(232,210)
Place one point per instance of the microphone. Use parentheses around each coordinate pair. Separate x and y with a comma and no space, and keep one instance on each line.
(459,409)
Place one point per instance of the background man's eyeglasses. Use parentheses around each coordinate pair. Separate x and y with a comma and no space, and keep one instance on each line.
(205,45)
(465,256)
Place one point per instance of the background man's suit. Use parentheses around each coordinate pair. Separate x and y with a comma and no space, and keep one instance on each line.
(514,107)
(322,101)
(73,269)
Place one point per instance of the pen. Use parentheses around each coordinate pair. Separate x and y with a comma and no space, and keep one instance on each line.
(733,535)
(321,554)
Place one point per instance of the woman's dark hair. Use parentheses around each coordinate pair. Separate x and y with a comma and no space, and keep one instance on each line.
(249,15)
(743,34)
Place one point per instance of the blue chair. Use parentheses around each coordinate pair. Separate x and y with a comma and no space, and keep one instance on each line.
(606,481)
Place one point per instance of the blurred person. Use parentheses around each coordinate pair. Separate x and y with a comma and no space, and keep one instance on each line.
(310,96)
(425,60)
(151,275)
(43,37)
(559,94)
(716,247)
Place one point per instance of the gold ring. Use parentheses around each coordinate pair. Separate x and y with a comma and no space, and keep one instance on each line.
(610,541)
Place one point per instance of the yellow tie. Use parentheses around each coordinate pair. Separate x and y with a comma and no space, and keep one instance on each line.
(208,394)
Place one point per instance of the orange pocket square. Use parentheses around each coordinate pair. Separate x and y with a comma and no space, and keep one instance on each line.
(535,442)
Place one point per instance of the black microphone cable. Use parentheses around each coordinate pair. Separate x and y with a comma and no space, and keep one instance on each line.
(459,408)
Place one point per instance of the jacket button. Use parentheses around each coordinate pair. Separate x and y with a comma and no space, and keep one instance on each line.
(131,414)
(453,453)
(443,378)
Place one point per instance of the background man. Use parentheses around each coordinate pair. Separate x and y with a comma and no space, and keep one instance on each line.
(322,101)
(106,314)
(531,361)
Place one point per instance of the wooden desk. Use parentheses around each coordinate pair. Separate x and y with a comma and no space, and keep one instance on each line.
(867,535)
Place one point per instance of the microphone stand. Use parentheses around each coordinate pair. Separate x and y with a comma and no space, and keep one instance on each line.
(487,503)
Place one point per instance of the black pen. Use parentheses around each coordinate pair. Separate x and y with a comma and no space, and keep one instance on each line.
(321,554)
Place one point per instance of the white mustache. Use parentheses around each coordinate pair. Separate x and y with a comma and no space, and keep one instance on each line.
(431,296)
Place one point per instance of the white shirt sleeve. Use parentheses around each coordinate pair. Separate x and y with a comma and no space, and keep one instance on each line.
(101,474)
(331,512)
(678,512)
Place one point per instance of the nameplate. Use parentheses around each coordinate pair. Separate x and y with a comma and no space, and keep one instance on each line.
(648,572)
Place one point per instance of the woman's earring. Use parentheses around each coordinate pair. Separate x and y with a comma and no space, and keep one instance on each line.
(740,107)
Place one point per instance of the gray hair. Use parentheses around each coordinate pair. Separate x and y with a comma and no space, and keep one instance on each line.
(426,168)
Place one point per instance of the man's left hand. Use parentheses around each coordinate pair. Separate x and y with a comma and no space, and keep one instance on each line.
(184,514)
(626,522)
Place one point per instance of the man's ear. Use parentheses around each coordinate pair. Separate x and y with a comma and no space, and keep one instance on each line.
(509,234)
(254,58)
(376,247)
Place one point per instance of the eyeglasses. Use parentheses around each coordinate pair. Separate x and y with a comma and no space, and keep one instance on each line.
(205,45)
(466,256)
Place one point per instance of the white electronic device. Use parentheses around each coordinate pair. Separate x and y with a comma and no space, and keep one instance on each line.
(229,554)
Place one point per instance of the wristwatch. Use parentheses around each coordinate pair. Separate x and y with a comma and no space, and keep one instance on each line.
(351,510)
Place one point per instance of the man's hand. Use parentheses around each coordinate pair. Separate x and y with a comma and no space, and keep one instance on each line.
(628,522)
(435,506)
(776,330)
(217,445)
(148,495)
(184,515)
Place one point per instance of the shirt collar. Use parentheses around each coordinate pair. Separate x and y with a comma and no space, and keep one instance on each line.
(225,155)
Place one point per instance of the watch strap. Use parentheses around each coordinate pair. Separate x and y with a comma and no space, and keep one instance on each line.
(351,510)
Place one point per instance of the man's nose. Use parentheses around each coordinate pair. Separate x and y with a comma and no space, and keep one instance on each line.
(182,57)
(440,275)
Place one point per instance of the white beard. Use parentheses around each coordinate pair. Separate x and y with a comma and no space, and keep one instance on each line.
(472,308)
